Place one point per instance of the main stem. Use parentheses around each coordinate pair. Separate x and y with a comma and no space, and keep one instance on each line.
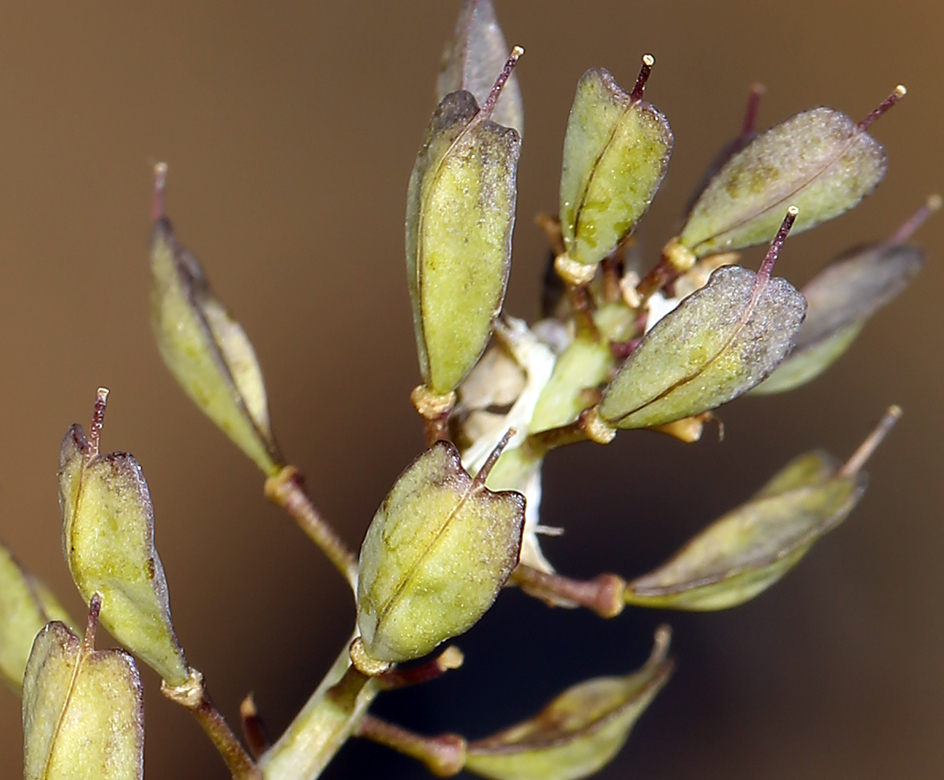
(325,723)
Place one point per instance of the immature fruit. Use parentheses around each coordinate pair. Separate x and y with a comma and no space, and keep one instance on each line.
(435,556)
(616,153)
(577,733)
(108,536)
(819,161)
(459,220)
(83,713)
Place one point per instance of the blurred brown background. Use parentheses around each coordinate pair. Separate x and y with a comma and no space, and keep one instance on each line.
(290,130)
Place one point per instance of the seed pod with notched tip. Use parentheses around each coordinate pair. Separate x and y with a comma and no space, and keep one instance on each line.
(616,152)
(820,161)
(435,556)
(842,298)
(719,343)
(205,349)
(108,536)
(474,57)
(459,220)
(750,548)
(26,605)
(83,711)
(579,732)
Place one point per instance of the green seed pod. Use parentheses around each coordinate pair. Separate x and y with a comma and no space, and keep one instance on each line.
(750,548)
(205,349)
(820,161)
(841,299)
(577,733)
(435,556)
(108,536)
(719,343)
(474,57)
(459,220)
(616,153)
(83,711)
(26,606)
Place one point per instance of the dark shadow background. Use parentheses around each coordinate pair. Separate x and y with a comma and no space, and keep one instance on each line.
(290,130)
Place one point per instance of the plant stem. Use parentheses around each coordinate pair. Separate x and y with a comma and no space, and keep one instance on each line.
(287,489)
(444,755)
(329,717)
(193,696)
(603,594)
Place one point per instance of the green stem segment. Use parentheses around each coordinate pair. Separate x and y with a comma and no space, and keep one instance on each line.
(325,723)
(287,489)
(193,696)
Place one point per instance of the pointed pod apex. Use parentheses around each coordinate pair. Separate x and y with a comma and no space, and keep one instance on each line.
(639,89)
(864,451)
(160,186)
(897,94)
(489,105)
(98,420)
(767,267)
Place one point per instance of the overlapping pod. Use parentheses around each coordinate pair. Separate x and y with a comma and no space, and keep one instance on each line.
(750,548)
(616,153)
(83,713)
(26,606)
(459,221)
(820,161)
(842,298)
(475,54)
(435,556)
(108,539)
(719,343)
(578,732)
(205,349)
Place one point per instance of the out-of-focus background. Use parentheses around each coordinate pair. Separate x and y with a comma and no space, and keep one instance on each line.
(290,130)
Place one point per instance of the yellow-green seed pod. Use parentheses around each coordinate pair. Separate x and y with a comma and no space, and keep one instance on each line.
(750,548)
(720,342)
(83,712)
(616,153)
(205,349)
(108,540)
(577,733)
(459,221)
(435,556)
(26,606)
(820,161)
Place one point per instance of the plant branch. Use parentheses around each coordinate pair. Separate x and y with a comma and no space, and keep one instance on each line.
(603,594)
(444,755)
(324,724)
(193,696)
(287,489)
